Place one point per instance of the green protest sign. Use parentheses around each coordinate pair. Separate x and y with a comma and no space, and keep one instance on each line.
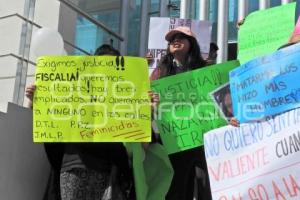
(140,183)
(158,172)
(186,111)
(152,171)
(264,31)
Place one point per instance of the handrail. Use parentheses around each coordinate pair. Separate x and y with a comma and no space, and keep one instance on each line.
(39,26)
(78,48)
(11,77)
(20,16)
(18,57)
(90,18)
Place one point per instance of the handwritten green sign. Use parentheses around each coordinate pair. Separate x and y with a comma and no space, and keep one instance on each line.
(264,31)
(152,171)
(186,110)
(91,99)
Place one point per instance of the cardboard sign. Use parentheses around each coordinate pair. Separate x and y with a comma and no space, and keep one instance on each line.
(264,31)
(152,171)
(257,160)
(186,110)
(91,99)
(266,86)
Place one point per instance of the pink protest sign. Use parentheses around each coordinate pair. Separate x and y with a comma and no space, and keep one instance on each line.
(296,31)
(297,28)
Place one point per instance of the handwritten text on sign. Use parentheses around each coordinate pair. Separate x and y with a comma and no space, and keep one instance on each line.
(186,111)
(266,86)
(265,31)
(91,99)
(257,160)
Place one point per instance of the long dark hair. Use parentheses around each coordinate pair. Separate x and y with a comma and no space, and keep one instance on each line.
(194,59)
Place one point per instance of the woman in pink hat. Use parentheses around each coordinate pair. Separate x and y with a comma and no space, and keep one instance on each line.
(183,54)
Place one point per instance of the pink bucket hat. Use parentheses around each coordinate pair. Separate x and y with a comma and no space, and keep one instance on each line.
(180,29)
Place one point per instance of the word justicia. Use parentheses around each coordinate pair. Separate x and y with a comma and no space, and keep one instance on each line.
(117,63)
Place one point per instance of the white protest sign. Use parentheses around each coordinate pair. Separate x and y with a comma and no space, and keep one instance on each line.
(160,26)
(257,160)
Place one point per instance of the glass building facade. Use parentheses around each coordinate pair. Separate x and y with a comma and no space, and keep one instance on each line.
(89,37)
(87,24)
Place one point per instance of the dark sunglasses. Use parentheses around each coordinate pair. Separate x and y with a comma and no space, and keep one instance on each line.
(178,36)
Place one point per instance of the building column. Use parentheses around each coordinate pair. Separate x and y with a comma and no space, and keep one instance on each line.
(285,1)
(184,8)
(222,39)
(145,7)
(242,9)
(124,26)
(24,51)
(203,9)
(264,4)
(163,8)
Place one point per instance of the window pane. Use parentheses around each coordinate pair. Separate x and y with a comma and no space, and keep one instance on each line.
(194,8)
(253,5)
(275,3)
(154,8)
(134,26)
(213,17)
(232,20)
(88,35)
(175,12)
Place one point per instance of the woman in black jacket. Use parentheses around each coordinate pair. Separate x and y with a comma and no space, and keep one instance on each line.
(183,54)
(88,171)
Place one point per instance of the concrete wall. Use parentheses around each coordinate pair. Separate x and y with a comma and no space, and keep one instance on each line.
(46,14)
